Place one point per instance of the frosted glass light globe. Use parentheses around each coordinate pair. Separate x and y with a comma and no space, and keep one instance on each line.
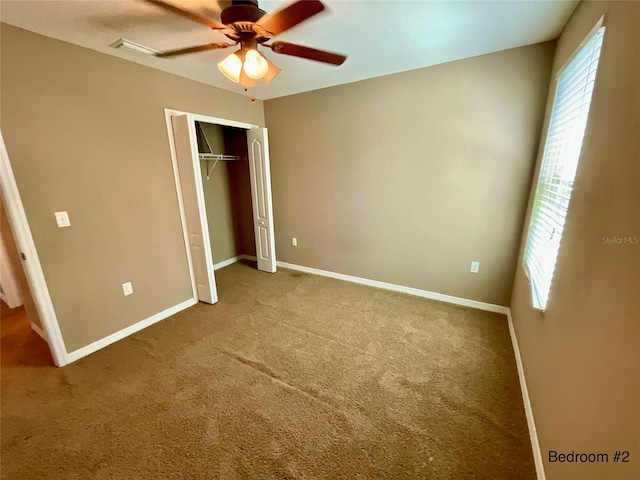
(255,66)
(231,66)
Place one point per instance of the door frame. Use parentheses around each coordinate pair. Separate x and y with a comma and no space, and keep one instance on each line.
(10,293)
(196,117)
(30,262)
(192,183)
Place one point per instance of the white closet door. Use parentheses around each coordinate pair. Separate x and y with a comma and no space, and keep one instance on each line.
(190,181)
(260,171)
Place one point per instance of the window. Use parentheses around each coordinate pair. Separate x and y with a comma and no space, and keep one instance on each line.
(559,164)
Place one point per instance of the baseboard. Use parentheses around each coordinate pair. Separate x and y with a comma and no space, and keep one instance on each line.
(9,303)
(125,332)
(535,445)
(230,261)
(225,263)
(39,331)
(533,434)
(489,307)
(114,337)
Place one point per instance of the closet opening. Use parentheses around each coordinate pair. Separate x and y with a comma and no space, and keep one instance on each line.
(224,192)
(226,184)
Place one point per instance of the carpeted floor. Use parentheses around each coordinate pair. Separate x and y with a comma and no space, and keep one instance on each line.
(289,376)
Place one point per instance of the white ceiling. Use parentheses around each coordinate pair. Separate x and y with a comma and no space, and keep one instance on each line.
(380,37)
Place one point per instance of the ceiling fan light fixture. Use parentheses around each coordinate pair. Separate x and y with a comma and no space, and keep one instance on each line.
(249,27)
(271,72)
(255,65)
(231,67)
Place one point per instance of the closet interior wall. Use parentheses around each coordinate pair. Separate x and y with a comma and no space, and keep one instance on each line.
(227,192)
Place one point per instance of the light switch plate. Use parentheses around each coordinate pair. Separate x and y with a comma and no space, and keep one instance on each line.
(127,288)
(475,267)
(62,218)
(294,242)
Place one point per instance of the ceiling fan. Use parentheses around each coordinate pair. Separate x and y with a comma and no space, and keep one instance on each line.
(248,26)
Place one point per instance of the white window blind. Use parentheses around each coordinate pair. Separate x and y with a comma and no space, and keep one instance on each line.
(559,164)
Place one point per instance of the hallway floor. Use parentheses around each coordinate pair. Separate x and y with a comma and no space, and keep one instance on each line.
(20,345)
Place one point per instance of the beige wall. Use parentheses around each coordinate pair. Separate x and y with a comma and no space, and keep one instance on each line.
(582,356)
(240,180)
(219,201)
(227,194)
(408,178)
(86,133)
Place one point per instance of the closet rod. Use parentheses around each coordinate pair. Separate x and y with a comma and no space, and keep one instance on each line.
(215,158)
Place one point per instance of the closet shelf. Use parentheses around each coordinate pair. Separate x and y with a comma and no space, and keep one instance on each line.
(212,160)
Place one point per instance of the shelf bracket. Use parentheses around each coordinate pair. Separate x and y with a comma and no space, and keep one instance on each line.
(211,167)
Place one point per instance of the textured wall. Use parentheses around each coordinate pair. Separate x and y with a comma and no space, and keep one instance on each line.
(227,194)
(408,178)
(86,133)
(581,357)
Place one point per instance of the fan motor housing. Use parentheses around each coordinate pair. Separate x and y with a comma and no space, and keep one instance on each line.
(241,11)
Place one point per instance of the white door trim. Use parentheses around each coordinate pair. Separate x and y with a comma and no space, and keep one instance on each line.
(204,227)
(33,270)
(168,113)
(222,121)
(10,293)
(176,177)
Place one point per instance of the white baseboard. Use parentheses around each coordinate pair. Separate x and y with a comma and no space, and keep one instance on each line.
(225,263)
(533,434)
(490,307)
(535,445)
(114,337)
(39,331)
(10,301)
(125,332)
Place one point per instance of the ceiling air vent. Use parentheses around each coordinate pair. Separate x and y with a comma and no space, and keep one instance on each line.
(132,47)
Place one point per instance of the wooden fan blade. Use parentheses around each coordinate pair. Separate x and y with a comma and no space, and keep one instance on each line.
(207,22)
(294,50)
(197,48)
(288,17)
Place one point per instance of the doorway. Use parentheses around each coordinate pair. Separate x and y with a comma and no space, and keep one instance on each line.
(43,317)
(23,339)
(200,145)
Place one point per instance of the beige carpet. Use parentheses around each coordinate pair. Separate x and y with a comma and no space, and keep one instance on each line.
(289,376)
